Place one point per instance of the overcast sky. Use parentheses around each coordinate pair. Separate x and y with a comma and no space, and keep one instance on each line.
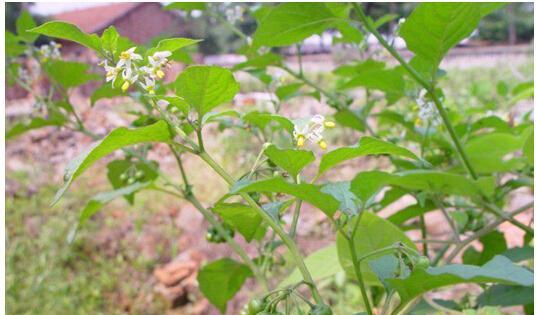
(44,8)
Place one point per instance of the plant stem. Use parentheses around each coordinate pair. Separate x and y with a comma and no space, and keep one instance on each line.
(485,230)
(289,243)
(451,223)
(422,225)
(426,85)
(230,241)
(296,215)
(357,264)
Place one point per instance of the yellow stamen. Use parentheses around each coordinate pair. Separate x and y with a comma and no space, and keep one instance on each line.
(125,55)
(160,74)
(323,145)
(329,124)
(300,141)
(418,122)
(151,91)
(125,86)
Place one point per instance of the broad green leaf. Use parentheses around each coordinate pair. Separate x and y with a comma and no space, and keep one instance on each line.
(241,217)
(350,34)
(215,116)
(35,123)
(14,47)
(174,101)
(353,69)
(528,148)
(488,7)
(206,87)
(518,254)
(118,138)
(506,295)
(422,180)
(290,160)
(307,192)
(487,152)
(390,81)
(186,6)
(366,146)
(498,270)
(259,62)
(494,244)
(70,32)
(349,118)
(289,23)
(68,73)
(322,264)
(109,39)
(172,44)
(118,167)
(288,91)
(220,280)
(432,29)
(99,200)
(263,120)
(341,191)
(104,91)
(410,212)
(373,233)
(24,23)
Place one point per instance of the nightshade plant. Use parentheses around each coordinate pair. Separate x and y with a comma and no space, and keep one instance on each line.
(461,162)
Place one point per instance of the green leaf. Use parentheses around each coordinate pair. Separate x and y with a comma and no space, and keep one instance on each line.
(241,217)
(68,73)
(349,118)
(410,212)
(99,200)
(70,32)
(14,47)
(109,39)
(307,192)
(186,6)
(289,23)
(217,116)
(528,148)
(341,191)
(35,123)
(322,264)
(366,146)
(506,295)
(373,233)
(104,91)
(518,254)
(290,160)
(487,152)
(390,81)
(351,70)
(118,167)
(494,244)
(24,23)
(366,185)
(433,29)
(286,92)
(172,44)
(259,62)
(118,138)
(263,120)
(498,270)
(205,87)
(220,280)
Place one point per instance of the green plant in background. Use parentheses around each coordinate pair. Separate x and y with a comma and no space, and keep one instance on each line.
(448,157)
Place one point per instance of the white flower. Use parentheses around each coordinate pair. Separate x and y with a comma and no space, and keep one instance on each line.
(129,77)
(126,58)
(162,103)
(159,58)
(50,51)
(312,130)
(149,85)
(427,111)
(111,72)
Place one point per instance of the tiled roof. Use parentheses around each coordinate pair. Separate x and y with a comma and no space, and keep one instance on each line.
(97,18)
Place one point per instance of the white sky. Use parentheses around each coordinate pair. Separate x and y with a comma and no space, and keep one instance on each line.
(46,8)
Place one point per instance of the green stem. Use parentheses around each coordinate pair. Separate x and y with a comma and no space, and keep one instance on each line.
(230,241)
(422,225)
(357,265)
(426,85)
(289,243)
(296,215)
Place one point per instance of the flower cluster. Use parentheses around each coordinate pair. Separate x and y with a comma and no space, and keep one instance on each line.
(130,68)
(311,129)
(49,51)
(427,111)
(234,14)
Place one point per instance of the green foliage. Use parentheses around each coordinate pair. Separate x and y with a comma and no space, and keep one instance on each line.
(292,161)
(69,74)
(70,32)
(24,23)
(119,138)
(241,217)
(206,87)
(373,233)
(221,279)
(35,123)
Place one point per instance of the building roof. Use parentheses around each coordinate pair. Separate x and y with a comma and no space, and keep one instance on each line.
(95,19)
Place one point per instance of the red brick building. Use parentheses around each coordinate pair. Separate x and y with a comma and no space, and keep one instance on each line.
(139,21)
